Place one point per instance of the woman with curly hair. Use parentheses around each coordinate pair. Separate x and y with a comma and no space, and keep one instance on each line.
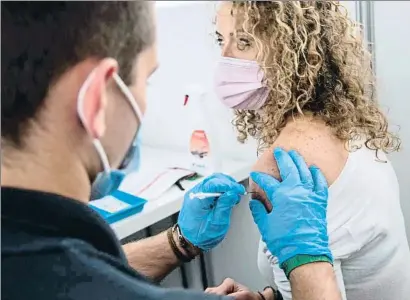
(298,75)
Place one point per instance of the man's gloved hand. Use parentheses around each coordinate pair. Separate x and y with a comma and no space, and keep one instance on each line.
(297,225)
(205,222)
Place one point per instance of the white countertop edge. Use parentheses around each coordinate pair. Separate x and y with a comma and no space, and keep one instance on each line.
(170,203)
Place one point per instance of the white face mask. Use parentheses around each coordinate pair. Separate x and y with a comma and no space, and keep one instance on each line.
(109,179)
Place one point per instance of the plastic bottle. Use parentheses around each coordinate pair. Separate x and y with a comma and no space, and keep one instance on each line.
(202,142)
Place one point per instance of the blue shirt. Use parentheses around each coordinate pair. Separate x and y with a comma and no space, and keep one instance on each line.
(58,248)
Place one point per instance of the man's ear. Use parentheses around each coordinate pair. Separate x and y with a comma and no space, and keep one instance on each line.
(95,96)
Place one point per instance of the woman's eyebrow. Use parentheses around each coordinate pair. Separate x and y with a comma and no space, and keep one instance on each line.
(231,33)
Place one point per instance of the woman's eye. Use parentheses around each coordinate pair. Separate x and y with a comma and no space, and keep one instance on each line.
(243,44)
(219,41)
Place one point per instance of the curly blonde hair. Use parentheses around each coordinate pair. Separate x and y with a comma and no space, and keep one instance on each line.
(314,60)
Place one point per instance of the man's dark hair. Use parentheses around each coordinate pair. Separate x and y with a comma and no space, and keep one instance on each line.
(42,40)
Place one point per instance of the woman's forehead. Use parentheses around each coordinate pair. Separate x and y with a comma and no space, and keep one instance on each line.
(227,13)
(225,23)
(224,7)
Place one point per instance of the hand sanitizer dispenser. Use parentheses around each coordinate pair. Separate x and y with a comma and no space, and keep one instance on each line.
(202,141)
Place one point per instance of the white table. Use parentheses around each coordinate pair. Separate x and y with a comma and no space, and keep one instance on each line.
(170,203)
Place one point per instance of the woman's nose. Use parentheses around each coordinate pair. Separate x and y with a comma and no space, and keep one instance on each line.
(227,50)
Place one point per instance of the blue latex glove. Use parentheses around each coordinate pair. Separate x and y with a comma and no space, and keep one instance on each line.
(205,222)
(297,223)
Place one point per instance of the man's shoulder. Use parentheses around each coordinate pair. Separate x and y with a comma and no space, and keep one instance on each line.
(72,269)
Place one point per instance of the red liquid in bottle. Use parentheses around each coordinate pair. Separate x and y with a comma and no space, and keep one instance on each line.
(199,144)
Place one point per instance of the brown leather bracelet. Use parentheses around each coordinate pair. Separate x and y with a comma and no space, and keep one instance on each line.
(190,249)
(181,257)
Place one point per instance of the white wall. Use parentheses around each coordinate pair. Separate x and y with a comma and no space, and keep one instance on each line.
(351,8)
(392,41)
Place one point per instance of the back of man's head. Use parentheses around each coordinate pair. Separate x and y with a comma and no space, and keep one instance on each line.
(42,40)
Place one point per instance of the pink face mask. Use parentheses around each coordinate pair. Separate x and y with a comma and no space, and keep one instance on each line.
(238,84)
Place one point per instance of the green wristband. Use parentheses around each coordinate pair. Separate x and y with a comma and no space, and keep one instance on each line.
(300,260)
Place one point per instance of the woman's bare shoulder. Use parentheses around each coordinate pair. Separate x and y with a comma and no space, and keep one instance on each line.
(315,142)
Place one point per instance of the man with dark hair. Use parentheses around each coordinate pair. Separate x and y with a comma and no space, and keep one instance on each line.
(73,95)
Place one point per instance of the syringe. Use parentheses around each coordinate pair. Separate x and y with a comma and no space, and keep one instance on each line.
(201,195)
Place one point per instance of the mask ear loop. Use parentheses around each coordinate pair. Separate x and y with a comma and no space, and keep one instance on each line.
(127,93)
(96,142)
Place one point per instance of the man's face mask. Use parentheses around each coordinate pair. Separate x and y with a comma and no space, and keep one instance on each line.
(109,179)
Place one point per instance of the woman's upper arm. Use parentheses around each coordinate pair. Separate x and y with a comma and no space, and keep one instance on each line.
(280,281)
